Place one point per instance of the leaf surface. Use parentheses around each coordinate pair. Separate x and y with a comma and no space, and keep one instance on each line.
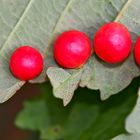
(127,137)
(96,74)
(64,83)
(133,120)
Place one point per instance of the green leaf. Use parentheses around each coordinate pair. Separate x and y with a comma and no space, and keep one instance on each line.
(10,13)
(27,23)
(132,124)
(34,116)
(109,79)
(64,83)
(112,79)
(127,137)
(88,17)
(133,120)
(8,84)
(85,118)
(38,23)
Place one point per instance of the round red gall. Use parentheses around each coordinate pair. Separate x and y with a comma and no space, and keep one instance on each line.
(26,63)
(137,51)
(72,49)
(112,42)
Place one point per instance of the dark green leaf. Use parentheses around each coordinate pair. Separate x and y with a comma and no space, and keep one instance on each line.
(86,118)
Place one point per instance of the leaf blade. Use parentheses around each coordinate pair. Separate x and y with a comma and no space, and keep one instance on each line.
(64,83)
(127,137)
(43,21)
(132,121)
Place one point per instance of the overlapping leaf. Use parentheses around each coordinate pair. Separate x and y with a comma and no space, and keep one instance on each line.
(38,24)
(127,137)
(132,124)
(64,83)
(133,120)
(86,118)
(33,24)
(96,74)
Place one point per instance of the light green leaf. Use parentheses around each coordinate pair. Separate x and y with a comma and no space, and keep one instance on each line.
(127,137)
(108,78)
(133,120)
(64,83)
(96,74)
(30,23)
(132,124)
(10,13)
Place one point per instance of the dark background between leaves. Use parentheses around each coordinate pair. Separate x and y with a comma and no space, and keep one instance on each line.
(8,111)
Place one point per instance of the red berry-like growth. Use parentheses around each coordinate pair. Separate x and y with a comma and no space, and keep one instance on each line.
(112,42)
(137,51)
(26,63)
(72,49)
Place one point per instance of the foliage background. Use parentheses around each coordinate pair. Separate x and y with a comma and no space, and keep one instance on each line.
(85,118)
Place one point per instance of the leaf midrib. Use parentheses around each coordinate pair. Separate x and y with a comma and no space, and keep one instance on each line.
(69,78)
(17,25)
(122,11)
(57,24)
(118,17)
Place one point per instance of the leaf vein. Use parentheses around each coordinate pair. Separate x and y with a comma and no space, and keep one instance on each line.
(124,8)
(17,24)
